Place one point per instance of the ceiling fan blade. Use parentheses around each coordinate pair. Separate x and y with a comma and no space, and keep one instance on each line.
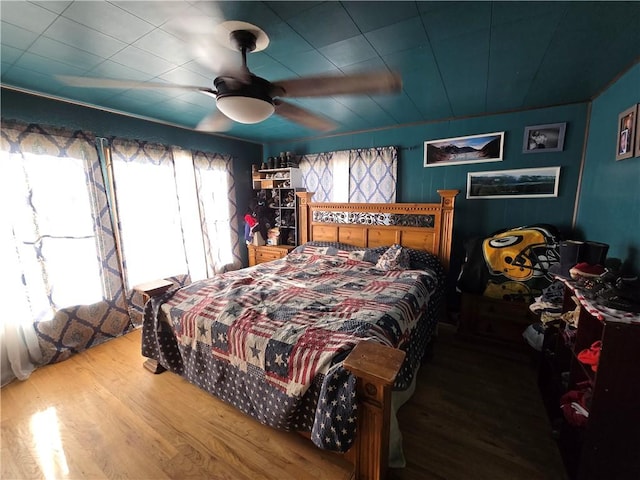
(302,116)
(214,122)
(92,82)
(218,59)
(374,82)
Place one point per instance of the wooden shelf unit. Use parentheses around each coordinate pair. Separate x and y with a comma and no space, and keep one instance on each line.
(282,184)
(608,446)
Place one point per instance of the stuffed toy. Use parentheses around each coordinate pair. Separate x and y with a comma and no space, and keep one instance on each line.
(258,219)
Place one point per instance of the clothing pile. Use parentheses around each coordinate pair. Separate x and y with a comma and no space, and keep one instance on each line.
(549,307)
(575,404)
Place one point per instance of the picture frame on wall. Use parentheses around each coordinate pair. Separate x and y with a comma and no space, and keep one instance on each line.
(544,138)
(626,133)
(486,147)
(519,183)
(637,130)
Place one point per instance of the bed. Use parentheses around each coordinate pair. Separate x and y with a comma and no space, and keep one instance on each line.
(317,341)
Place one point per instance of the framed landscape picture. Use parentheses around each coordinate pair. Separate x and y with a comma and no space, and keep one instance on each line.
(487,147)
(544,138)
(626,133)
(638,130)
(520,183)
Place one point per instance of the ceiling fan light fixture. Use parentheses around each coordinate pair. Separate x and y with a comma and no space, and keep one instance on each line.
(244,103)
(245,109)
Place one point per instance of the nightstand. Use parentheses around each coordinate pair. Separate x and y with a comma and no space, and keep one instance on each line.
(267,253)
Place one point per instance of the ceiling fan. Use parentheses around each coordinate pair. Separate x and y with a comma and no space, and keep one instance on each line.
(244,97)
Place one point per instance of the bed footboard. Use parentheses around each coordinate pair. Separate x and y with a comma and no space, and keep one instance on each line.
(375,367)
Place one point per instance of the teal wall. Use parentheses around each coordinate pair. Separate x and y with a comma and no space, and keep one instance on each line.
(34,109)
(609,202)
(477,217)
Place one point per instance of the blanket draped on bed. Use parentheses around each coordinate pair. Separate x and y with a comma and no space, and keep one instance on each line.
(271,339)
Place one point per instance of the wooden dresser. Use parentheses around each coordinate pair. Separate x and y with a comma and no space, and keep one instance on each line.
(267,253)
(495,320)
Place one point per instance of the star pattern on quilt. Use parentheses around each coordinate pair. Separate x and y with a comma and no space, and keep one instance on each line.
(260,359)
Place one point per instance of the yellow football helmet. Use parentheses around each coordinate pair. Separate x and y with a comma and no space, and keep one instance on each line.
(519,254)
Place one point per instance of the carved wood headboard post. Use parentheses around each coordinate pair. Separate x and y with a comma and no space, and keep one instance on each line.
(304,223)
(447,201)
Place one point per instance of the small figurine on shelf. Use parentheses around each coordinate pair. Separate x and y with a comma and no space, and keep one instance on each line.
(273,236)
(275,200)
(291,239)
(290,200)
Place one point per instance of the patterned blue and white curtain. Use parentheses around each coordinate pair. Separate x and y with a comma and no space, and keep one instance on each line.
(84,221)
(60,269)
(176,212)
(356,176)
(317,175)
(373,174)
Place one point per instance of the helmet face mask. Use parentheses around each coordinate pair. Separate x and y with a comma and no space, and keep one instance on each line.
(519,254)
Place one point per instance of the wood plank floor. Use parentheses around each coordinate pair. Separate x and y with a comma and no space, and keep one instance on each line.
(475,415)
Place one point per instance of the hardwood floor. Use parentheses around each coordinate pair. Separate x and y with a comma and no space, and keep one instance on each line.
(475,415)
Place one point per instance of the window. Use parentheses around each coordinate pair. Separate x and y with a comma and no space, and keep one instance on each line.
(358,176)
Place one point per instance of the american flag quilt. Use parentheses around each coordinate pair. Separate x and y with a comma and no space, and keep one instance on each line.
(271,339)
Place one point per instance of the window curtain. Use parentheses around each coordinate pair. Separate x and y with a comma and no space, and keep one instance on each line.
(58,246)
(81,225)
(146,198)
(216,191)
(373,174)
(357,176)
(176,213)
(317,175)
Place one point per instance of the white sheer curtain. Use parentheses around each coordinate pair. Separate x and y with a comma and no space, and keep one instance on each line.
(218,213)
(176,211)
(18,339)
(148,211)
(340,165)
(194,241)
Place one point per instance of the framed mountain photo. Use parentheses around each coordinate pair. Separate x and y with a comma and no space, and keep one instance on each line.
(487,147)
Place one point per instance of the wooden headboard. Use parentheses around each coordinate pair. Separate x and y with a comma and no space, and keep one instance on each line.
(423,226)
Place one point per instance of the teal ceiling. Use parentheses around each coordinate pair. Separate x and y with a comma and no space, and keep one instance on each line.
(456,59)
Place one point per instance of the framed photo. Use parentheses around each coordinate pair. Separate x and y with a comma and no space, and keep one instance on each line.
(487,147)
(520,183)
(626,133)
(544,138)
